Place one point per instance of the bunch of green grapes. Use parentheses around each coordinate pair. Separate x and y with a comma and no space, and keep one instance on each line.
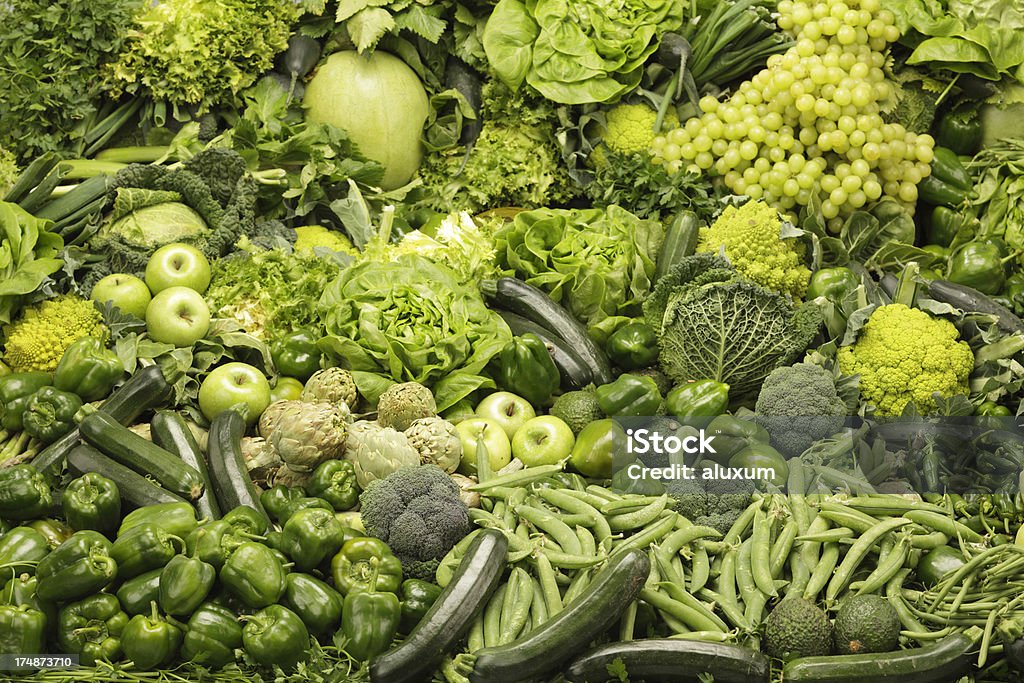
(810,121)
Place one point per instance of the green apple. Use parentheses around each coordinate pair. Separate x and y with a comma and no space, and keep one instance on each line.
(544,440)
(509,410)
(178,315)
(234,385)
(177,265)
(474,429)
(127,292)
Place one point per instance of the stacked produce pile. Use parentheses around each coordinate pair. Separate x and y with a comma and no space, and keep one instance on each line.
(352,341)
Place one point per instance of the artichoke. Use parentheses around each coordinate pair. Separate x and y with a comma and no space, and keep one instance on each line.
(437,442)
(269,417)
(402,404)
(377,451)
(296,437)
(330,385)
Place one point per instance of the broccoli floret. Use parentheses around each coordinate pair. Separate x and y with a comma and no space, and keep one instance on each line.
(418,513)
(37,340)
(716,503)
(798,405)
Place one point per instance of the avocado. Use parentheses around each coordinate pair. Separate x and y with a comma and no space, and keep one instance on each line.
(577,409)
(797,628)
(866,623)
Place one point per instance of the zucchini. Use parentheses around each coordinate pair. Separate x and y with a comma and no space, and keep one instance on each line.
(172,434)
(972,301)
(143,391)
(680,241)
(232,484)
(575,374)
(943,661)
(535,305)
(668,660)
(135,488)
(449,618)
(545,649)
(128,448)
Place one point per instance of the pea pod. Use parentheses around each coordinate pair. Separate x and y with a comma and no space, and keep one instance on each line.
(857,552)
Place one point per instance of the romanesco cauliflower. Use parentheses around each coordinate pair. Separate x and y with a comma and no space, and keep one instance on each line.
(752,237)
(310,236)
(630,128)
(37,340)
(905,355)
(8,171)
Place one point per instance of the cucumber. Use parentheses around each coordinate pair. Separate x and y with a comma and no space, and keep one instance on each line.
(545,649)
(575,374)
(668,660)
(232,484)
(172,434)
(445,623)
(135,488)
(535,305)
(143,391)
(971,300)
(128,448)
(680,241)
(943,661)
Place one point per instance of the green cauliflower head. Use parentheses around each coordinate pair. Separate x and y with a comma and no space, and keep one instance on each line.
(37,339)
(437,442)
(798,405)
(905,355)
(402,404)
(377,451)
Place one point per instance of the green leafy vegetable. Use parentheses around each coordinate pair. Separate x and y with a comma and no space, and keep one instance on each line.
(28,255)
(367,21)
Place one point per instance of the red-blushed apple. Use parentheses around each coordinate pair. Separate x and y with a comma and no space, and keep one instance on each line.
(499,450)
(240,386)
(507,409)
(128,293)
(178,316)
(177,265)
(544,440)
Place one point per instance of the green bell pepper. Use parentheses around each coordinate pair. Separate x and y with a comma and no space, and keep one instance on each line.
(15,391)
(316,603)
(276,635)
(629,395)
(5,526)
(92,628)
(731,434)
(21,549)
(947,167)
(335,482)
(150,641)
(22,591)
(311,536)
(92,502)
(88,368)
(297,355)
(960,130)
(418,597)
(80,566)
(53,530)
(281,502)
(526,368)
(633,346)
(22,630)
(703,398)
(177,519)
(254,575)
(184,585)
(832,283)
(144,547)
(136,594)
(50,414)
(945,225)
(246,520)
(979,265)
(213,543)
(369,620)
(762,455)
(595,448)
(212,637)
(24,493)
(364,559)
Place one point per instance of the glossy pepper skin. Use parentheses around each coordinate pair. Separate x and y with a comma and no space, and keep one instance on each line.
(335,482)
(281,502)
(136,594)
(184,584)
(703,398)
(732,434)
(832,283)
(629,395)
(960,130)
(92,502)
(315,602)
(417,597)
(21,549)
(362,560)
(89,369)
(311,536)
(369,621)
(945,225)
(245,519)
(595,448)
(254,575)
(92,628)
(275,635)
(212,636)
(296,355)
(79,567)
(213,543)
(53,530)
(762,455)
(992,409)
(15,391)
(24,493)
(978,265)
(527,369)
(177,519)
(50,414)
(949,183)
(143,548)
(21,591)
(633,346)
(22,630)
(150,641)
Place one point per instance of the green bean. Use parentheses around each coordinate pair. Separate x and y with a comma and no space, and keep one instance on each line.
(516,606)
(651,534)
(947,525)
(700,568)
(971,566)
(578,585)
(551,525)
(742,523)
(886,568)
(627,624)
(744,572)
(829,535)
(800,574)
(961,594)
(927,636)
(475,638)
(571,501)
(588,546)
(569,561)
(695,619)
(822,571)
(492,617)
(892,594)
(730,609)
(538,606)
(760,553)
(888,505)
(855,555)
(638,518)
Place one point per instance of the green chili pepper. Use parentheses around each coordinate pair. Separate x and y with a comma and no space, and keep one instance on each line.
(136,594)
(369,620)
(24,493)
(50,414)
(142,548)
(633,346)
(15,391)
(184,584)
(296,354)
(212,636)
(254,574)
(92,502)
(88,368)
(316,603)
(22,630)
(150,641)
(21,549)
(276,635)
(80,566)
(418,596)
(629,395)
(361,559)
(832,283)
(177,519)
(92,628)
(246,519)
(960,130)
(311,536)
(979,265)
(335,482)
(703,398)
(527,369)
